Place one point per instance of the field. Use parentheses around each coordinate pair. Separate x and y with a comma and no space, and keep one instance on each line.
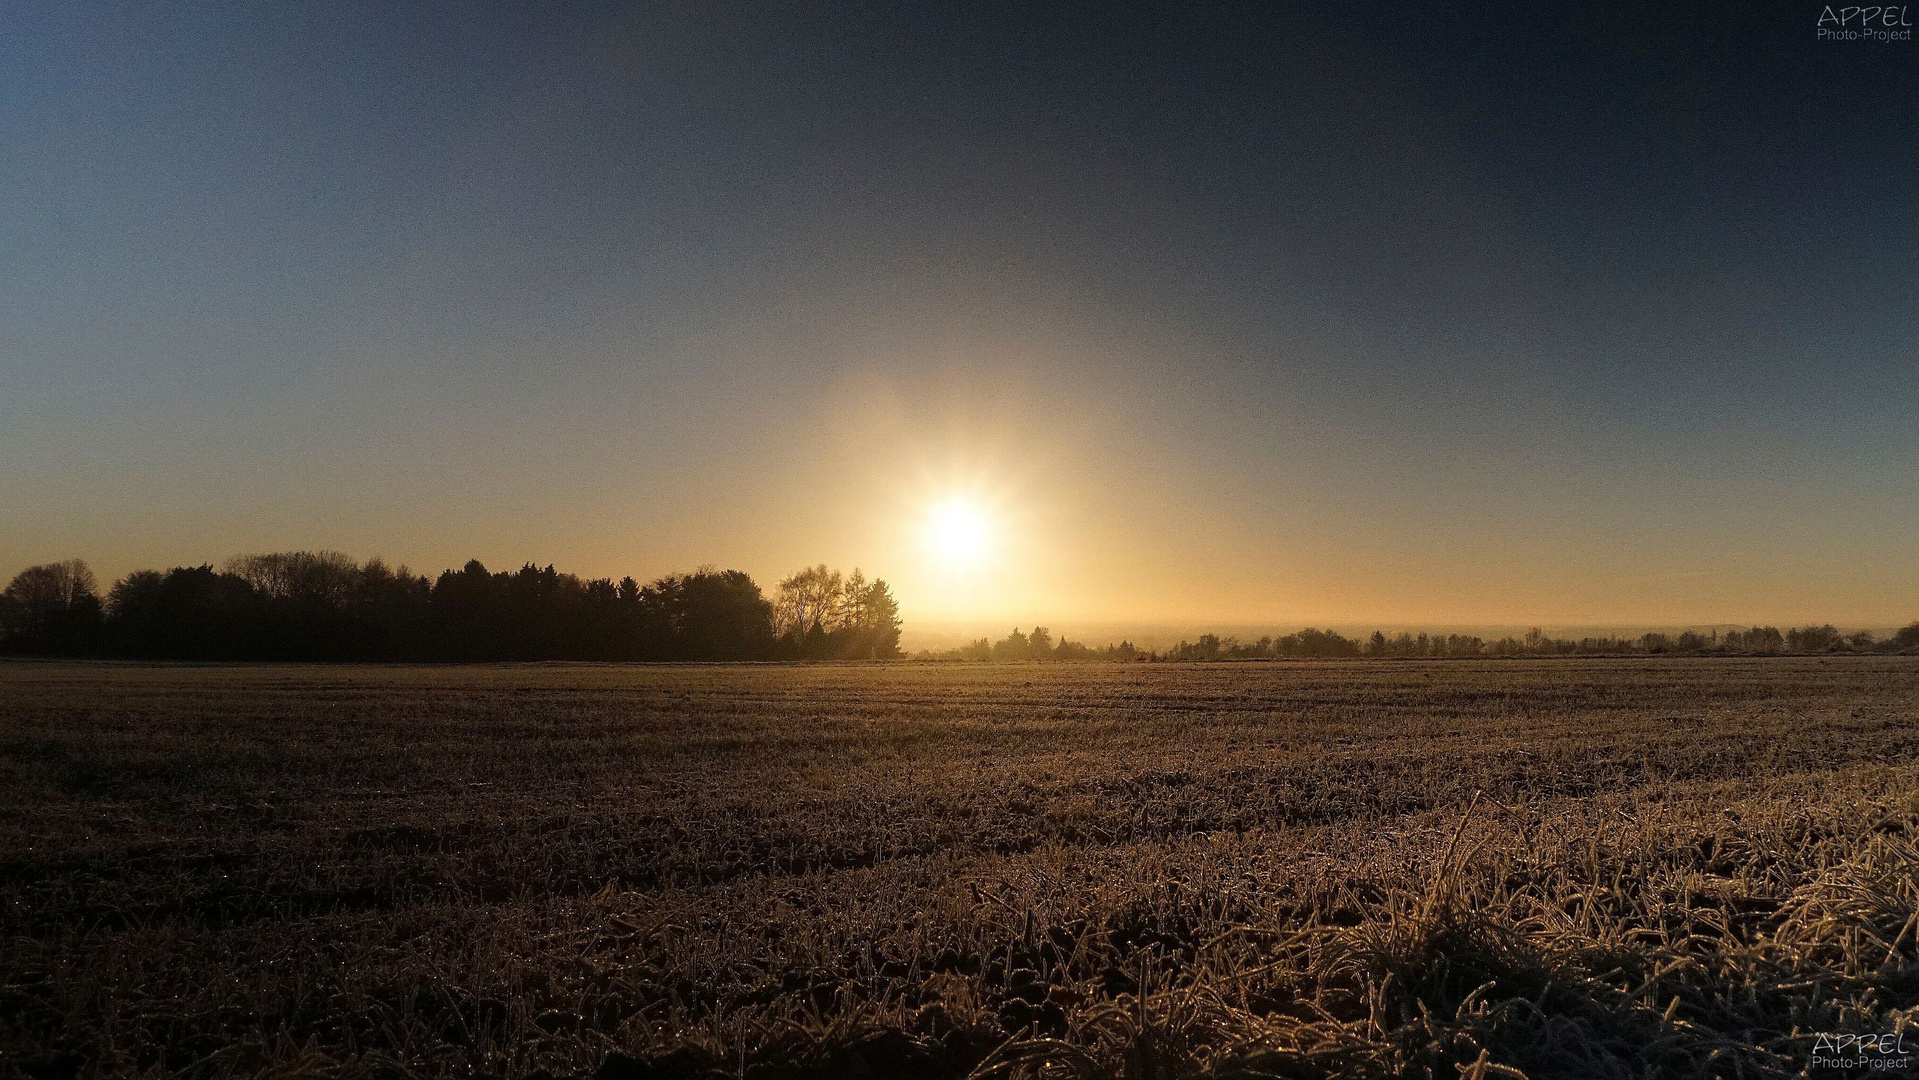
(1681,867)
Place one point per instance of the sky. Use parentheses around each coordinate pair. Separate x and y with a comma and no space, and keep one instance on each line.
(1244,314)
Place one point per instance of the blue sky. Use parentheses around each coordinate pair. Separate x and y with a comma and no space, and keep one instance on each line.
(1261,314)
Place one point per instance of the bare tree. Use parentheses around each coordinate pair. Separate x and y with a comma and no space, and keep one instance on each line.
(325,576)
(814,599)
(53,586)
(41,603)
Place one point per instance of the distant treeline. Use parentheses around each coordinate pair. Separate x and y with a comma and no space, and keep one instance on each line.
(1328,644)
(1038,645)
(327,606)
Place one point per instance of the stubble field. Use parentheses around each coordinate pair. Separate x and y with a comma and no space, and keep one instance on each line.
(1559,868)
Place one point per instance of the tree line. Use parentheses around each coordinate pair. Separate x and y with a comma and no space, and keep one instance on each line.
(1038,645)
(1327,645)
(304,605)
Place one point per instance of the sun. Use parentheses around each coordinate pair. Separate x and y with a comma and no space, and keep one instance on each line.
(959,533)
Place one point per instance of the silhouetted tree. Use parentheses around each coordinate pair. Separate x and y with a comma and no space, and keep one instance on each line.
(1813,639)
(1324,643)
(820,615)
(809,602)
(326,606)
(51,608)
(1761,639)
(1206,648)
(874,618)
(326,577)
(1039,643)
(1072,650)
(980,649)
(188,613)
(1013,646)
(714,615)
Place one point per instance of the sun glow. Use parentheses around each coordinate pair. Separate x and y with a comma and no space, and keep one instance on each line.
(959,534)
